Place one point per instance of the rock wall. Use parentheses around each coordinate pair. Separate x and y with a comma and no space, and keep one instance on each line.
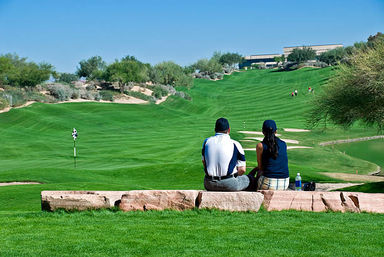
(143,200)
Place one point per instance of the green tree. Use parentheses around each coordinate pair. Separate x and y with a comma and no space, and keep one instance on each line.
(372,40)
(128,69)
(230,59)
(300,55)
(170,73)
(66,77)
(356,92)
(334,56)
(16,71)
(91,68)
(209,66)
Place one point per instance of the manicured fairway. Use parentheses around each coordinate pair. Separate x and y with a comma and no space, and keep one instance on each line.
(124,147)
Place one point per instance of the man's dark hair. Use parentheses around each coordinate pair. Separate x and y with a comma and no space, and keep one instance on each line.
(222,125)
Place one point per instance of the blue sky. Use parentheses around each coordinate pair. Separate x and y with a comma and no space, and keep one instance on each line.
(64,32)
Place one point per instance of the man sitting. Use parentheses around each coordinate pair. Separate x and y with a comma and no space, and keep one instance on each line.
(224,161)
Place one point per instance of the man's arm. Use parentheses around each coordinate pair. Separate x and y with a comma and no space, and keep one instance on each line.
(240,170)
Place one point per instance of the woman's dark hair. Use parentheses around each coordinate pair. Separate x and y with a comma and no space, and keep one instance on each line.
(271,141)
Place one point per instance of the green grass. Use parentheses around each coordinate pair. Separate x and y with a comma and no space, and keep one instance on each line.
(191,233)
(124,147)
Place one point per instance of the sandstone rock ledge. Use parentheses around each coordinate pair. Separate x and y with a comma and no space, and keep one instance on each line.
(79,200)
(323,201)
(142,200)
(230,201)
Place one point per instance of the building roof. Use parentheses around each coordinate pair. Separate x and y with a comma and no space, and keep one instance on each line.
(313,45)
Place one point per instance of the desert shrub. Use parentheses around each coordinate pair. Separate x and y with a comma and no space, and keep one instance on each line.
(15,96)
(32,95)
(183,94)
(140,96)
(3,101)
(106,95)
(61,92)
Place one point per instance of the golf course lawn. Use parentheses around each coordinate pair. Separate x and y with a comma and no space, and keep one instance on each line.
(124,147)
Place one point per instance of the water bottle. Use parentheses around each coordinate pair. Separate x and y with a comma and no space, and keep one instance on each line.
(298,182)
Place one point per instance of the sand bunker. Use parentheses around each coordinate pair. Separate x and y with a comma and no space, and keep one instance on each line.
(291,141)
(18,183)
(296,130)
(255,133)
(298,147)
(288,148)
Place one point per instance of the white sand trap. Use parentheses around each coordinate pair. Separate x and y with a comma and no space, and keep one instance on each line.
(18,183)
(296,130)
(255,138)
(288,148)
(299,147)
(143,90)
(255,133)
(291,141)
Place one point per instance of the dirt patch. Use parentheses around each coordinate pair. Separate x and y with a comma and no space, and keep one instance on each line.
(18,183)
(354,177)
(143,90)
(159,101)
(17,107)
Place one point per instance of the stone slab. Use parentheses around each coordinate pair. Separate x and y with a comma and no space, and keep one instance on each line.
(230,201)
(142,200)
(79,200)
(323,201)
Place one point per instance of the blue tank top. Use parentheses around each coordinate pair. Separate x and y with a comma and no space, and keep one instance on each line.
(276,168)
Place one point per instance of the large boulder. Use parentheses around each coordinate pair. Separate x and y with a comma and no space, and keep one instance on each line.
(79,200)
(230,201)
(142,200)
(323,201)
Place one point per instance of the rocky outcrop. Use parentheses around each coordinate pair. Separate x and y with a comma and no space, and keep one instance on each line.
(79,200)
(230,201)
(323,201)
(142,200)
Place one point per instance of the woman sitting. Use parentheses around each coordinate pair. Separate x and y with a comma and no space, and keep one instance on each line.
(272,160)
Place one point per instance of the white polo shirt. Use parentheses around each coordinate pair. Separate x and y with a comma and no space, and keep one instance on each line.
(222,155)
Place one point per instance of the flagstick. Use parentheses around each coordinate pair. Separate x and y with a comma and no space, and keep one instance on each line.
(74,153)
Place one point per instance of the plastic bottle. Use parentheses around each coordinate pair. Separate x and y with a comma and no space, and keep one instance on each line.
(298,182)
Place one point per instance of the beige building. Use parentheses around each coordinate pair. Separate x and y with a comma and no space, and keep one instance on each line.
(318,48)
(265,59)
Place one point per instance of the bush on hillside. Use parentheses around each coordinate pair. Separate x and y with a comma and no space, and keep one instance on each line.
(140,96)
(106,95)
(183,94)
(61,92)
